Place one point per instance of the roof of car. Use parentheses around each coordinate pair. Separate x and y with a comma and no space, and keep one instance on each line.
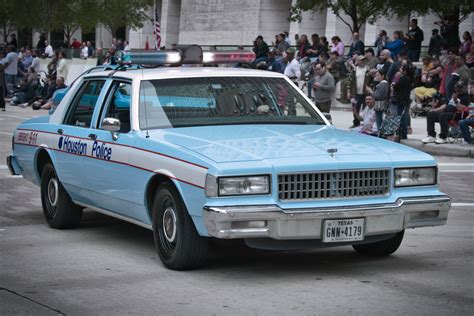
(182,72)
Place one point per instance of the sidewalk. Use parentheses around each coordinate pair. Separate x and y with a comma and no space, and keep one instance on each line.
(342,118)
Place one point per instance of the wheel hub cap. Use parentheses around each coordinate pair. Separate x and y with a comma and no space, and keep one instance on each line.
(53,191)
(169,224)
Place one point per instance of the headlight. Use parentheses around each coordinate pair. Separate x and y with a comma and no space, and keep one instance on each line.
(408,177)
(227,186)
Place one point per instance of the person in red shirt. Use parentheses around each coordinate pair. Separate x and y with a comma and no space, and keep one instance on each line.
(75,43)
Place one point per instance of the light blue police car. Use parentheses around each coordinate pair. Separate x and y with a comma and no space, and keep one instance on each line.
(195,153)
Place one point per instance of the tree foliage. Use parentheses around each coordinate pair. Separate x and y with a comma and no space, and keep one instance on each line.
(353,13)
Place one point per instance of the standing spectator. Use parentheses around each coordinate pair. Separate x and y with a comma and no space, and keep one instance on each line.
(358,80)
(324,45)
(100,57)
(402,58)
(315,48)
(396,45)
(10,63)
(401,90)
(2,87)
(385,60)
(449,33)
(48,51)
(380,42)
(13,41)
(323,87)
(260,48)
(380,95)
(303,46)
(297,40)
(90,49)
(465,46)
(41,46)
(282,45)
(337,45)
(413,38)
(357,46)
(287,38)
(436,43)
(84,51)
(62,68)
(75,44)
(292,70)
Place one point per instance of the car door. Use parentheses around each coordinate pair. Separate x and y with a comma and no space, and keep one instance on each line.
(73,142)
(108,174)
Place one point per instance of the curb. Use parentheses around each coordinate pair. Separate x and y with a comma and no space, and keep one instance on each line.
(452,150)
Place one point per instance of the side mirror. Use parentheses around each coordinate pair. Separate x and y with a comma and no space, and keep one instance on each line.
(112,125)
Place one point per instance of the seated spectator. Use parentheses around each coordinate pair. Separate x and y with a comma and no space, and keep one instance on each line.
(324,45)
(367,117)
(430,80)
(27,89)
(303,46)
(292,69)
(282,45)
(35,62)
(260,48)
(464,125)
(315,48)
(445,113)
(51,104)
(357,46)
(465,46)
(337,45)
(272,63)
(48,51)
(333,65)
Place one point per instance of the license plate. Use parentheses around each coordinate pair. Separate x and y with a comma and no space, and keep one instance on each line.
(341,230)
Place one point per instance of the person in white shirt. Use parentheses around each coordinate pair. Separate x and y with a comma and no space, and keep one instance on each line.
(62,67)
(292,69)
(48,51)
(367,117)
(84,51)
(127,46)
(36,61)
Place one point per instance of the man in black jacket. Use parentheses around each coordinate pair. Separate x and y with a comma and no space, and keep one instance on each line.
(413,39)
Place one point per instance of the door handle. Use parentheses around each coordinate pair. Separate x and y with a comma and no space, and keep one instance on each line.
(93,136)
(60,131)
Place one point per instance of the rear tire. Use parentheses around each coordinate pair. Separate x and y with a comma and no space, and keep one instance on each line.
(176,240)
(380,248)
(58,208)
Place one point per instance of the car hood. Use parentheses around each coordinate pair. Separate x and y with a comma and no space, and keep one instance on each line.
(259,142)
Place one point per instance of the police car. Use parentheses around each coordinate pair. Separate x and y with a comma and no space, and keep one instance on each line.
(195,153)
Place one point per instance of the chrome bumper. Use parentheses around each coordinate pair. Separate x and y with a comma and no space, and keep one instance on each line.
(274,222)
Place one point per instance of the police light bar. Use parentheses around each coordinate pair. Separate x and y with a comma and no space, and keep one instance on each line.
(227,57)
(158,57)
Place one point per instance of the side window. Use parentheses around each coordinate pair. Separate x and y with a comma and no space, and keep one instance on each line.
(80,113)
(118,104)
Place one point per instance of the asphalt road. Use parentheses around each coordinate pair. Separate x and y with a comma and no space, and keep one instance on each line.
(110,267)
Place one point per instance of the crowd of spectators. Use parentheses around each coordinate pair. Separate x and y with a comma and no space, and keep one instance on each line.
(385,79)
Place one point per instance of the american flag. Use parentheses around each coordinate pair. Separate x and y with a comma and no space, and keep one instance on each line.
(157,30)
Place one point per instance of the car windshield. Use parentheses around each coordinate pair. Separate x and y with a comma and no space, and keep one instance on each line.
(188,102)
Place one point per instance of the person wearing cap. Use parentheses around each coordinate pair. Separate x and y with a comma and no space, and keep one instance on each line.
(273,64)
(436,43)
(292,69)
(359,77)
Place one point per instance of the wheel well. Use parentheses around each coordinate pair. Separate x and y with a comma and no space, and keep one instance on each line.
(153,184)
(41,160)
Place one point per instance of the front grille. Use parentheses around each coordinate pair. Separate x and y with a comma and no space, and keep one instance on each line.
(333,184)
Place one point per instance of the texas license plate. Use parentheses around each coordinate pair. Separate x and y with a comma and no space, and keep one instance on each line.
(342,230)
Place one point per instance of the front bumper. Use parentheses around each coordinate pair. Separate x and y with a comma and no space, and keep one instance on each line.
(13,166)
(226,222)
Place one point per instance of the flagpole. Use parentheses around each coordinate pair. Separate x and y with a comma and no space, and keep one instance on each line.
(154,23)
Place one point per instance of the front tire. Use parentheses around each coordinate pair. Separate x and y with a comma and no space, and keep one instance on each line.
(59,210)
(380,248)
(176,240)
